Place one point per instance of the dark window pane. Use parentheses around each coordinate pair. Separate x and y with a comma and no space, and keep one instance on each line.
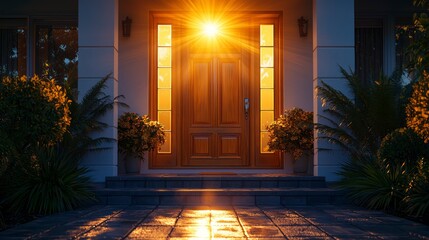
(13,52)
(369,52)
(57,52)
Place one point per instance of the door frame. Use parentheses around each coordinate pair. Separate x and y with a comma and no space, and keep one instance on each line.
(257,160)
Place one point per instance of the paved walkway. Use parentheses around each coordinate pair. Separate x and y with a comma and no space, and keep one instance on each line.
(145,222)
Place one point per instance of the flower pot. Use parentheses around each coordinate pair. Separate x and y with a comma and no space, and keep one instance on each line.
(132,165)
(300,165)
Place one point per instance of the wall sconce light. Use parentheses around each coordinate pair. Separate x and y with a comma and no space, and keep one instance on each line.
(126,27)
(303,26)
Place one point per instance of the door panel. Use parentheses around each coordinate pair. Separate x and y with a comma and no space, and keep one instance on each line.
(229,92)
(201,89)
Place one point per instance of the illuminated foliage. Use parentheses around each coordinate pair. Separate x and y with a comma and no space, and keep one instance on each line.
(418,108)
(137,134)
(33,110)
(419,50)
(292,132)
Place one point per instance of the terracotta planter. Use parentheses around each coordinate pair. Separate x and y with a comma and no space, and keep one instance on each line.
(132,165)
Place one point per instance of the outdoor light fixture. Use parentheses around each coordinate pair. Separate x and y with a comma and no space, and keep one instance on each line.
(303,26)
(126,27)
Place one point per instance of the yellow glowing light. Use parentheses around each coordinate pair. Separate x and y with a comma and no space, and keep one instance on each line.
(211,29)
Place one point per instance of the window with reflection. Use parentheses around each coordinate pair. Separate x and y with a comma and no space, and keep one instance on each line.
(51,53)
(13,50)
(57,52)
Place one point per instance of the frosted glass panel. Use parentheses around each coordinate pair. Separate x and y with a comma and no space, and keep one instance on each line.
(164,77)
(164,99)
(164,57)
(267,117)
(164,117)
(267,35)
(267,78)
(166,147)
(267,57)
(164,35)
(264,142)
(267,99)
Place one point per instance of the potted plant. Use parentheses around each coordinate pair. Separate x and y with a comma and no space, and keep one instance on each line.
(292,132)
(136,135)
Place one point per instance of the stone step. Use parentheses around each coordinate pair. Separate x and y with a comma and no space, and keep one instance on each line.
(215,181)
(220,196)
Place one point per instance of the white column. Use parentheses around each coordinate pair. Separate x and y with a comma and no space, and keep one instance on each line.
(333,46)
(98,56)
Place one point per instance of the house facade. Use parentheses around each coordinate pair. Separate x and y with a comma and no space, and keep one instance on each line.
(214,73)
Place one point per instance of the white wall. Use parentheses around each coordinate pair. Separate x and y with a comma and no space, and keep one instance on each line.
(333,46)
(98,56)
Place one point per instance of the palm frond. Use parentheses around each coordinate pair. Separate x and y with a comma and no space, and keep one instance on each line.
(359,122)
(86,121)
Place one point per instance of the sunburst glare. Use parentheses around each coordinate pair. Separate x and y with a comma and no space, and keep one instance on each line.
(211,29)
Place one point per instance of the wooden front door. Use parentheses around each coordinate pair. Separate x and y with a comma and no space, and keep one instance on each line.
(216,106)
(215,96)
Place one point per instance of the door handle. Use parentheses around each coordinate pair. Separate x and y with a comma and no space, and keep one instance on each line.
(246,107)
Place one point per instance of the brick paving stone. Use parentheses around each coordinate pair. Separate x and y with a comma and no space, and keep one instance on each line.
(202,232)
(302,231)
(150,232)
(296,221)
(263,231)
(227,232)
(344,230)
(256,221)
(199,221)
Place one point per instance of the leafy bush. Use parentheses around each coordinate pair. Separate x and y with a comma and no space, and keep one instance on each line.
(417,198)
(418,108)
(397,181)
(137,134)
(6,150)
(371,184)
(49,182)
(33,110)
(47,178)
(292,132)
(359,124)
(418,50)
(403,147)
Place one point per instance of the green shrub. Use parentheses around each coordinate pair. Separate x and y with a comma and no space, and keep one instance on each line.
(417,198)
(85,118)
(138,134)
(402,146)
(370,184)
(46,178)
(33,110)
(359,124)
(6,150)
(292,132)
(418,108)
(50,181)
